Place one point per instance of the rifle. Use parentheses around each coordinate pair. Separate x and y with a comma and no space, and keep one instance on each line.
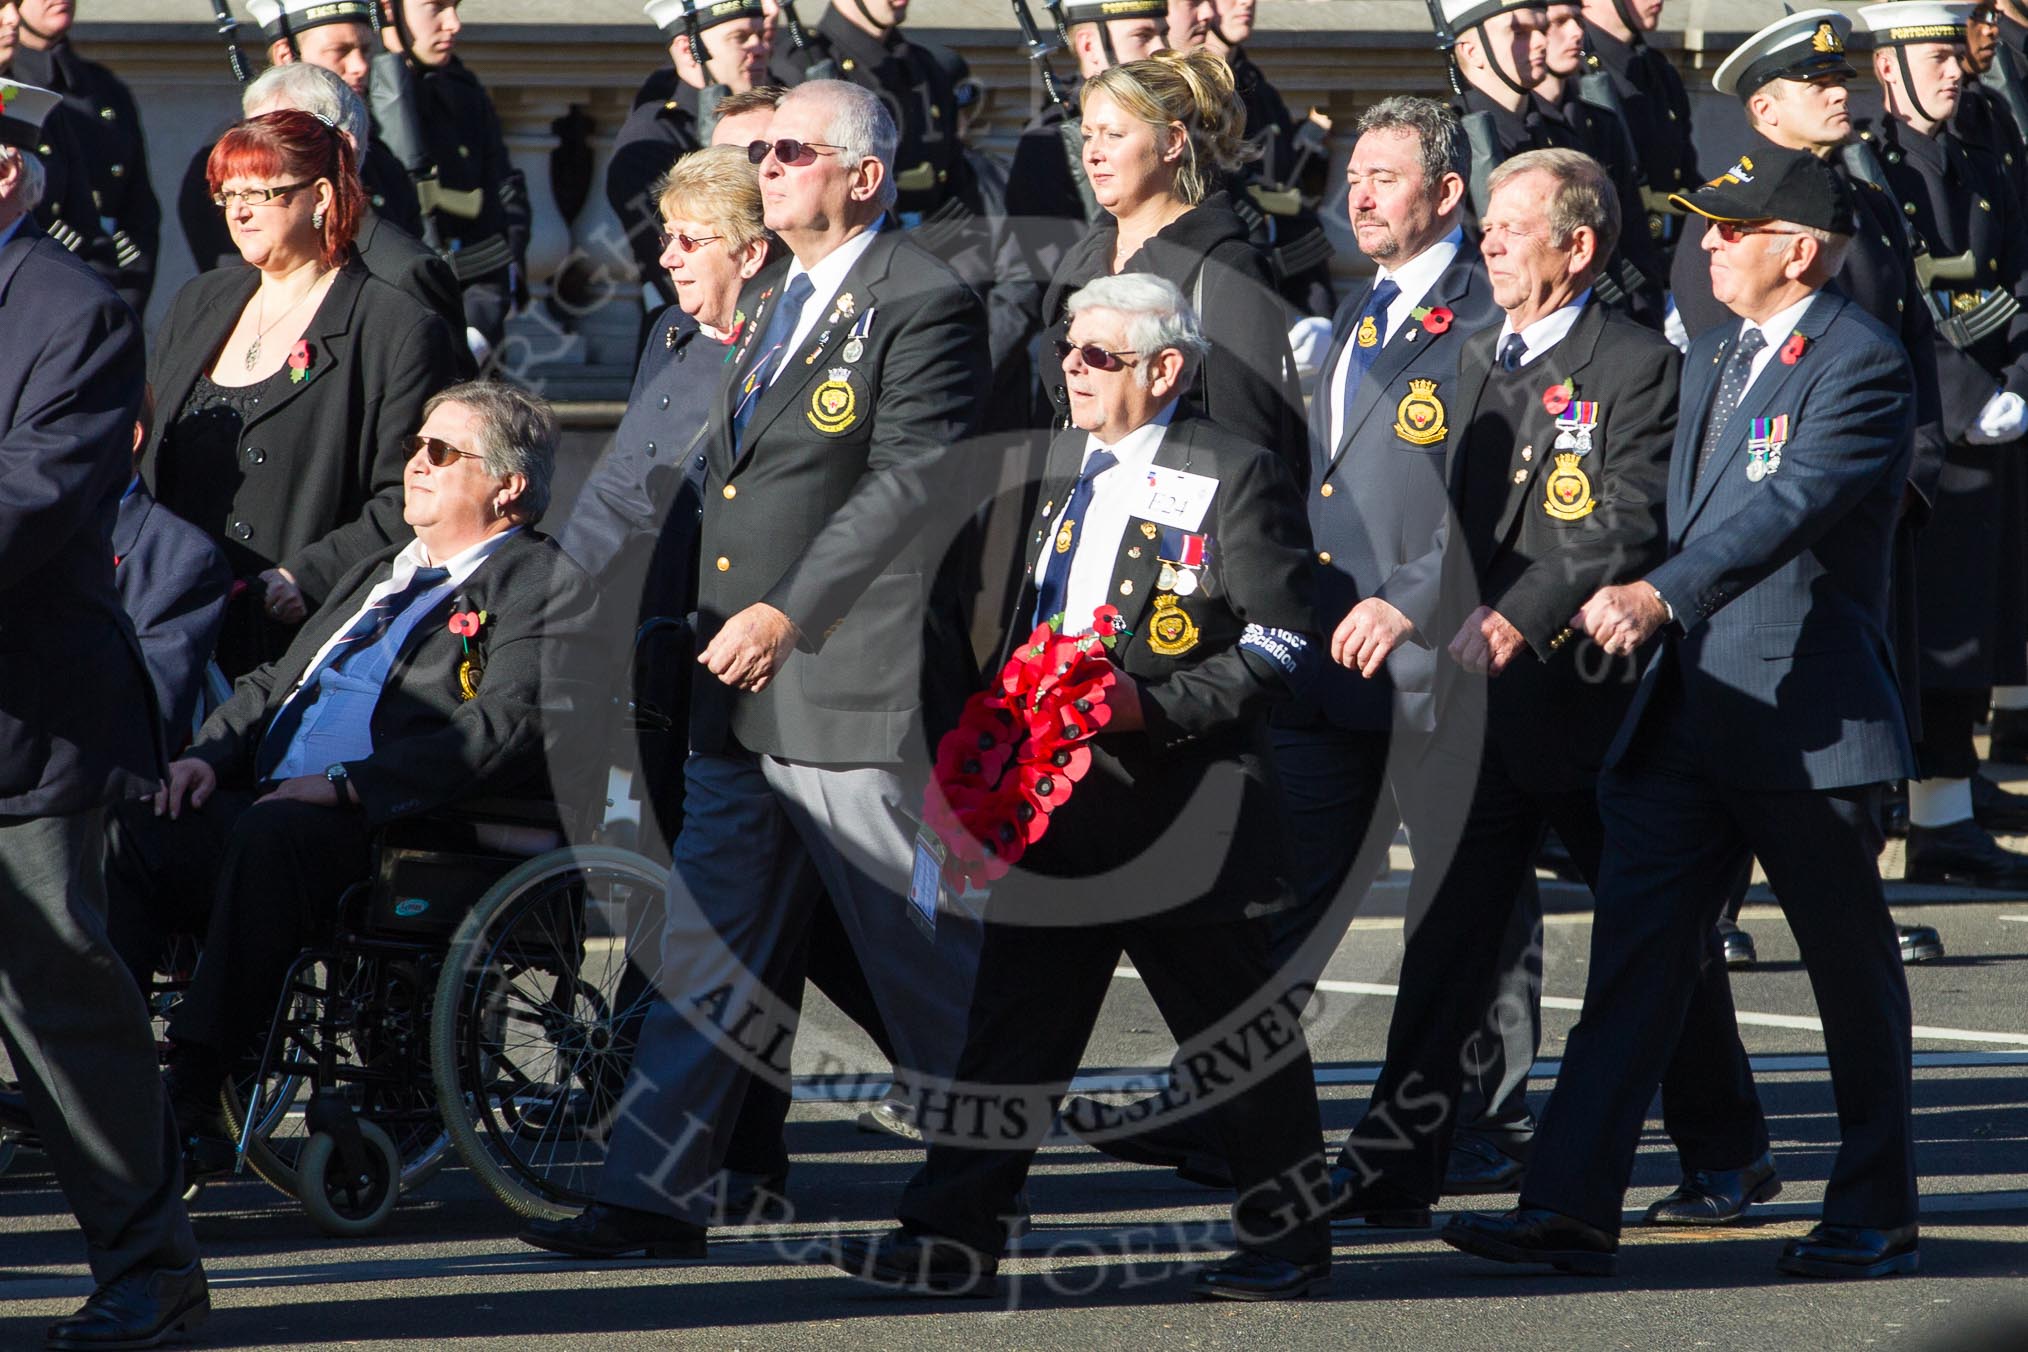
(708,98)
(1961,331)
(799,38)
(390,97)
(1055,8)
(228,29)
(1068,131)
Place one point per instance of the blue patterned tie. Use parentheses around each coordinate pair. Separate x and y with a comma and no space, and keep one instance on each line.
(1359,360)
(780,329)
(1731,388)
(1055,586)
(359,636)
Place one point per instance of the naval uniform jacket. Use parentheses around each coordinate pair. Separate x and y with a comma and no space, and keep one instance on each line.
(655,135)
(321,465)
(837,506)
(432,743)
(1182,822)
(1536,530)
(77,714)
(1779,584)
(108,126)
(1377,496)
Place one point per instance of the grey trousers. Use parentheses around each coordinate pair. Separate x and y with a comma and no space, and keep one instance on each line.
(759,837)
(77,1031)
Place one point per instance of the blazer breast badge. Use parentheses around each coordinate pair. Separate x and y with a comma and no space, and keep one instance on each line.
(1171,632)
(833,405)
(1568,496)
(1419,417)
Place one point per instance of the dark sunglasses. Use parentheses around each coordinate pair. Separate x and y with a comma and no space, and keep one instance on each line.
(789,152)
(1732,232)
(441,453)
(1096,357)
(687,243)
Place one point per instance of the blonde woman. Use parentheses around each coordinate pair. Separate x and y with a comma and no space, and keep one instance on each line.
(1160,135)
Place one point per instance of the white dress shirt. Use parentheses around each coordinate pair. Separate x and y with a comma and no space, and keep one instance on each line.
(825,279)
(1546,332)
(339,726)
(1115,494)
(1776,330)
(1415,278)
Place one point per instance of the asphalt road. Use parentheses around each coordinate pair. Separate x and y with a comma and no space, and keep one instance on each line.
(1112,1245)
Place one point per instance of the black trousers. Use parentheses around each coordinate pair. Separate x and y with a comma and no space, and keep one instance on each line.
(77,1035)
(1036,1000)
(1674,834)
(1948,720)
(259,882)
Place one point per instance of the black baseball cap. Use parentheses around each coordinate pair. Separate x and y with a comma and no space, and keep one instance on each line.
(1774,183)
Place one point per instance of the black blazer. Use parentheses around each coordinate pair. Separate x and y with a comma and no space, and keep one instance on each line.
(77,717)
(1248,383)
(432,745)
(1182,821)
(1555,708)
(320,467)
(173,582)
(411,267)
(837,507)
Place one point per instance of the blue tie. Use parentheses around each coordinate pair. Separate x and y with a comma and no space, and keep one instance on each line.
(1511,353)
(1055,586)
(780,329)
(359,636)
(1359,359)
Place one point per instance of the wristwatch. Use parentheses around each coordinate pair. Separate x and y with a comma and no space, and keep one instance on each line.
(339,779)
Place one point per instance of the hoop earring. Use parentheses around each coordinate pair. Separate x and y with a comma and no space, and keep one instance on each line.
(317,218)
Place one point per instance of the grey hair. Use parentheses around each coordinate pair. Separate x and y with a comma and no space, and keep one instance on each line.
(517,435)
(1831,247)
(1157,315)
(1437,131)
(1584,196)
(34,178)
(316,91)
(860,123)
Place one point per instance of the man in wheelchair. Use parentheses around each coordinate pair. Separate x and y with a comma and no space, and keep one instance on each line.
(440,670)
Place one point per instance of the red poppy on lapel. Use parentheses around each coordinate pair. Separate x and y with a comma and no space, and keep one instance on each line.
(1557,397)
(1434,318)
(299,361)
(1793,349)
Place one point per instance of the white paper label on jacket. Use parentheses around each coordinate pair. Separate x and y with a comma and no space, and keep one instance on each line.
(1176,498)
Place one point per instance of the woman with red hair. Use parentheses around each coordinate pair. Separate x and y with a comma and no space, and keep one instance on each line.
(286,387)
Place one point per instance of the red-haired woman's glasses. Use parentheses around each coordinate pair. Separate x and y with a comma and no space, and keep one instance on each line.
(255,197)
(440,453)
(1096,357)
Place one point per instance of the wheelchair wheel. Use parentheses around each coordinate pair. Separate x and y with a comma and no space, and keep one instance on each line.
(541,1003)
(344,1203)
(381,1030)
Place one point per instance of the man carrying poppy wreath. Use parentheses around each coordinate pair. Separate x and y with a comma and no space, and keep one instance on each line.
(1134,814)
(436,673)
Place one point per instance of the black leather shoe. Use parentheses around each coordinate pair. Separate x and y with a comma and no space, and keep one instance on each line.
(891,1117)
(1476,1168)
(926,1265)
(1717,1196)
(754,1199)
(1740,953)
(2009,743)
(1999,811)
(1964,852)
(1258,1276)
(603,1230)
(1168,1142)
(1848,1251)
(141,1309)
(1375,1204)
(1534,1235)
(1919,943)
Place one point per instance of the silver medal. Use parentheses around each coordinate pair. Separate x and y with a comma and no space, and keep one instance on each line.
(1166,580)
(854,349)
(1565,441)
(1186,581)
(1756,470)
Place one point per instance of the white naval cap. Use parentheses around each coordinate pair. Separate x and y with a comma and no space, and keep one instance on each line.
(1462,14)
(284,18)
(1907,21)
(1800,46)
(1095,11)
(22,110)
(673,16)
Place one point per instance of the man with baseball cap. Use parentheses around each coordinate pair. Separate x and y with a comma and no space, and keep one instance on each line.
(1766,720)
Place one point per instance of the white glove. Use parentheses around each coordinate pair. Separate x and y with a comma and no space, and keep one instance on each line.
(481,349)
(2004,418)
(1309,340)
(1673,328)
